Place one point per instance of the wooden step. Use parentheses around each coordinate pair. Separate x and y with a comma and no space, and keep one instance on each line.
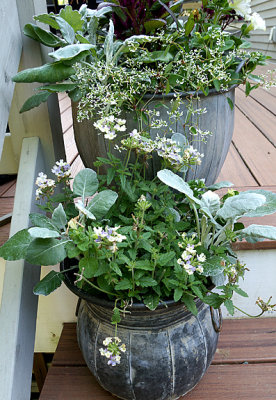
(244,366)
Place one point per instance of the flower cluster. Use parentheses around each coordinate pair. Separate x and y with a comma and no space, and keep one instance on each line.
(108,237)
(265,305)
(112,350)
(170,151)
(110,126)
(190,260)
(62,170)
(45,186)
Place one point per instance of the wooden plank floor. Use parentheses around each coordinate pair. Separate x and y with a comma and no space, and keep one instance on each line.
(244,366)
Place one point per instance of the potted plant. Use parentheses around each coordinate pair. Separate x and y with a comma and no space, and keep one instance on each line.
(150,259)
(149,62)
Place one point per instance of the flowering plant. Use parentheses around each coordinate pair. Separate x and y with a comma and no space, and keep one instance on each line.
(107,59)
(134,239)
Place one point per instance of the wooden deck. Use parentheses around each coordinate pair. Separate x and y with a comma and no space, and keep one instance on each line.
(244,366)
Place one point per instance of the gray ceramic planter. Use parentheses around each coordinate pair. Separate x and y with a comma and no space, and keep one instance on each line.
(168,350)
(219,119)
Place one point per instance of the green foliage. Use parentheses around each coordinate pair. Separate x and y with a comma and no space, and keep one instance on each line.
(16,247)
(85,183)
(49,283)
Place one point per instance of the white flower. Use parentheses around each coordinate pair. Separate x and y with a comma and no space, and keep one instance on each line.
(257,21)
(107,341)
(110,135)
(201,257)
(242,7)
(199,269)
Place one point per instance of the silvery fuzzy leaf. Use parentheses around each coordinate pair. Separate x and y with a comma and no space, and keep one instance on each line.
(239,205)
(67,31)
(259,232)
(220,185)
(80,206)
(43,233)
(180,139)
(92,29)
(85,183)
(172,211)
(211,201)
(71,51)
(48,251)
(108,43)
(101,203)
(266,209)
(218,280)
(176,182)
(59,218)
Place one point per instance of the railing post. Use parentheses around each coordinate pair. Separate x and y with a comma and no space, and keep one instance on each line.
(19,305)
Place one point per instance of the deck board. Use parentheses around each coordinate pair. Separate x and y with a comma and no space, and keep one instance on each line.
(244,366)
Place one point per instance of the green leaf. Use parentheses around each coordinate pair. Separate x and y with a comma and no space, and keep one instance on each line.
(147,281)
(116,317)
(16,247)
(34,101)
(230,102)
(66,30)
(176,182)
(230,306)
(152,24)
(178,292)
(180,139)
(69,52)
(76,94)
(217,85)
(229,44)
(211,201)
(42,36)
(72,250)
(46,251)
(144,264)
(240,291)
(49,283)
(59,218)
(85,184)
(89,266)
(189,24)
(214,300)
(220,185)
(189,303)
(151,301)
(237,206)
(144,244)
(82,39)
(73,18)
(101,203)
(51,73)
(266,209)
(115,268)
(110,175)
(259,232)
(124,284)
(165,258)
(92,29)
(43,233)
(158,55)
(42,221)
(59,87)
(48,19)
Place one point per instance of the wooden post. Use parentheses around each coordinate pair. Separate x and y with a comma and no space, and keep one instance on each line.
(19,304)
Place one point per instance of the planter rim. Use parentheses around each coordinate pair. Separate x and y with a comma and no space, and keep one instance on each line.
(69,282)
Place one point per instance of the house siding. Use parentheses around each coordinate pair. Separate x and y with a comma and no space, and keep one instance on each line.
(259,38)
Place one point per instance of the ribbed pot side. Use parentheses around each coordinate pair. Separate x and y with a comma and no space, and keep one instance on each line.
(219,119)
(168,350)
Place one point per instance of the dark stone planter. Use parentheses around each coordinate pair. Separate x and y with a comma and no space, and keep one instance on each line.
(168,350)
(219,119)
